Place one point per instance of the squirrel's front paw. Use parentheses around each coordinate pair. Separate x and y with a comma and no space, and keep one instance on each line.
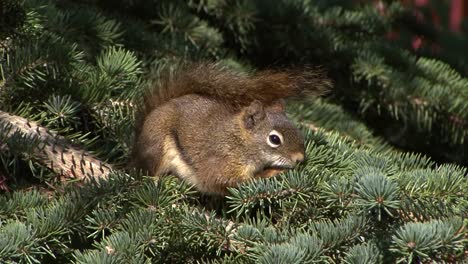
(269,172)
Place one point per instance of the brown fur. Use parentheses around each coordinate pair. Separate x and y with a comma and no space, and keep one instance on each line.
(209,125)
(235,88)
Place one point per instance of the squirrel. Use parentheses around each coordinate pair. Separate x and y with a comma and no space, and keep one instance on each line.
(215,128)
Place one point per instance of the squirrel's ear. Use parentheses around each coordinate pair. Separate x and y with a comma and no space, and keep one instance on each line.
(277,106)
(253,113)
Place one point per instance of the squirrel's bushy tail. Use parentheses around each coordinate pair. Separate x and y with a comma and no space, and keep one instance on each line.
(235,88)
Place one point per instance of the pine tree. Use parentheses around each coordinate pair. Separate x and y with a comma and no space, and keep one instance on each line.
(374,187)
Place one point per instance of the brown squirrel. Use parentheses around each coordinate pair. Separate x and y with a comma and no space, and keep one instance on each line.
(216,128)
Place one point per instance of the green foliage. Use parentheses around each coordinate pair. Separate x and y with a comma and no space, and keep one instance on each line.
(426,240)
(81,68)
(12,18)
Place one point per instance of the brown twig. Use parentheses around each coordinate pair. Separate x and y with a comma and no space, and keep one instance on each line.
(55,152)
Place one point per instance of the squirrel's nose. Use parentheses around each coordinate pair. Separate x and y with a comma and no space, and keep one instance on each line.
(298,157)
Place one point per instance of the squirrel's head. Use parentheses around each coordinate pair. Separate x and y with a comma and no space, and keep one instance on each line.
(280,144)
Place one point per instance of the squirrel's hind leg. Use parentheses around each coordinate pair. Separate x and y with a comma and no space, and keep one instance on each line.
(173,161)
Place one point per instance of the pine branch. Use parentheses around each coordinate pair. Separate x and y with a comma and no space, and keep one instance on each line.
(53,150)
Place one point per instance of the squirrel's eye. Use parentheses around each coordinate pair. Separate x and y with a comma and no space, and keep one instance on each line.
(274,139)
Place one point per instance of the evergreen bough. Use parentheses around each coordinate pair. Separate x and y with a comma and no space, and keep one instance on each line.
(72,74)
